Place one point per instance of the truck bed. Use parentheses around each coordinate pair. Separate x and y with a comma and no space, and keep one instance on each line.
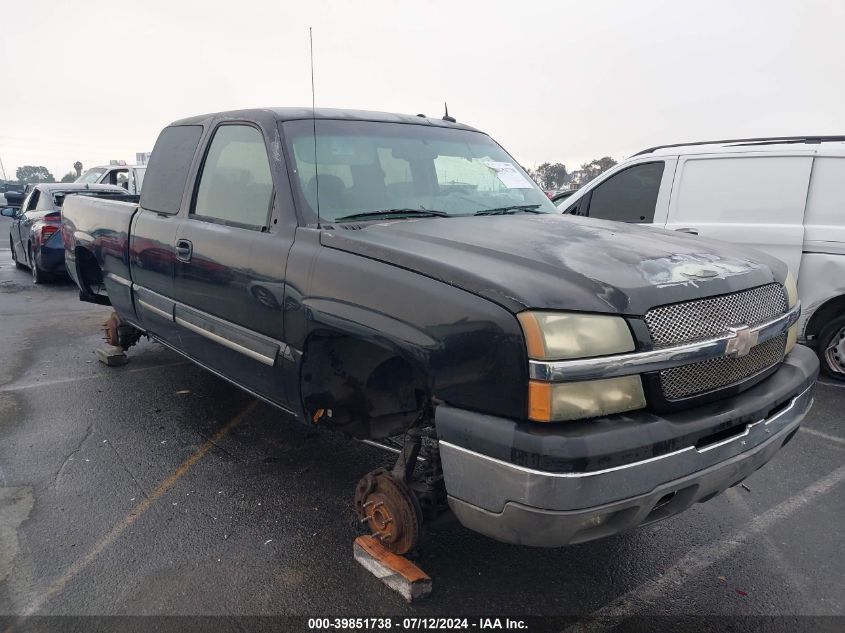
(96,231)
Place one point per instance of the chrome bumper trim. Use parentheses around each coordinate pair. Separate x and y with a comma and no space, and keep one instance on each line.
(658,359)
(490,483)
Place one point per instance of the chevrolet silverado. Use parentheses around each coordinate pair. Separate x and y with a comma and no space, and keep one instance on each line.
(550,379)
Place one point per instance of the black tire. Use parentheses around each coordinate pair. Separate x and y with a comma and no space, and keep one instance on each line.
(38,275)
(831,348)
(18,264)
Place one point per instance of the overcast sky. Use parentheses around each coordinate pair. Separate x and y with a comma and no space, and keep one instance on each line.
(551,81)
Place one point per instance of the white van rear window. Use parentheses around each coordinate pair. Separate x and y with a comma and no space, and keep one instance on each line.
(743,190)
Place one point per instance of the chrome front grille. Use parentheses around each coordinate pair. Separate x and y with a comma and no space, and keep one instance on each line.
(699,378)
(706,318)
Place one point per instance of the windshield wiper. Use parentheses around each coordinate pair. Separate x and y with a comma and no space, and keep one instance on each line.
(514,208)
(413,212)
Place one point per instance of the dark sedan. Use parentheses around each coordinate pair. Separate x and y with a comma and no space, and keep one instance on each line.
(35,235)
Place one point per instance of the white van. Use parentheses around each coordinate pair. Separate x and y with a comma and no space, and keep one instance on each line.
(784,196)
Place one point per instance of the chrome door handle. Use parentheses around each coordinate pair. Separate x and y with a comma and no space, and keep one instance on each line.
(687,229)
(184,250)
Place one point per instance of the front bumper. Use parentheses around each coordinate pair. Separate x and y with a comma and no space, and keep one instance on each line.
(509,500)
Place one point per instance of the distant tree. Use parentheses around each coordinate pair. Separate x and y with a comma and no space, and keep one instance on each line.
(551,176)
(78,167)
(34,174)
(589,171)
(69,177)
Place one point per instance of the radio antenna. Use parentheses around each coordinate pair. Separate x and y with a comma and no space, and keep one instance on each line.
(314,121)
(446,116)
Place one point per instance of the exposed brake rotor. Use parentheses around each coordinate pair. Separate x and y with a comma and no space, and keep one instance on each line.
(390,510)
(119,333)
(110,329)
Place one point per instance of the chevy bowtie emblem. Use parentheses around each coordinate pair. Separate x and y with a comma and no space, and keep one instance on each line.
(744,338)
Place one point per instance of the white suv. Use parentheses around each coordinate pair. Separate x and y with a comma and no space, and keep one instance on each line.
(784,196)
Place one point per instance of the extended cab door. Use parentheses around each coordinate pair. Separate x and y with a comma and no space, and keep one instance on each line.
(152,245)
(754,199)
(231,253)
(636,192)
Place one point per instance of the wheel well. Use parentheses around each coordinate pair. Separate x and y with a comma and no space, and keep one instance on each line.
(360,386)
(90,276)
(824,314)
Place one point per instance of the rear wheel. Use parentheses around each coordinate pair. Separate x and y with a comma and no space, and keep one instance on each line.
(831,348)
(18,264)
(38,275)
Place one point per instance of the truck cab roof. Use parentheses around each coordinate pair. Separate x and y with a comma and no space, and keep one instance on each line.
(300,113)
(75,186)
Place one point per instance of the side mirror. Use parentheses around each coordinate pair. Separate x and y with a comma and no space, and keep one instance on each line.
(8,212)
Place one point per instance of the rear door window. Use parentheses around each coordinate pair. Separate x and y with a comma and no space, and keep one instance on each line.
(628,196)
(169,165)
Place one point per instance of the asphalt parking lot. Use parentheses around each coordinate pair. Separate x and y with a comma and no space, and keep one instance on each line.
(157,488)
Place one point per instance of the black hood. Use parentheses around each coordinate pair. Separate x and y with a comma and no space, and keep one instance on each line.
(561,262)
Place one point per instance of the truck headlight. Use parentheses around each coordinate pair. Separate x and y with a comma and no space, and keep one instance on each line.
(558,336)
(563,401)
(553,336)
(791,288)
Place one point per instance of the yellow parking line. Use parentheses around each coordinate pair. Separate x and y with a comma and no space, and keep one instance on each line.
(75,569)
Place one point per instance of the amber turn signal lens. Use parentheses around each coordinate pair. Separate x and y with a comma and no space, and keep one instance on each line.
(539,401)
(534,343)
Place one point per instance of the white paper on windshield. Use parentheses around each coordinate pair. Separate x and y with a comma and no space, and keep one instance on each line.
(508,175)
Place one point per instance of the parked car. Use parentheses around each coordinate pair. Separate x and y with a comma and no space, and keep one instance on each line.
(35,237)
(560,196)
(130,177)
(566,378)
(783,196)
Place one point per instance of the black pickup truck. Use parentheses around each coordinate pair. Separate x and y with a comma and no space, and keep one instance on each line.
(400,276)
